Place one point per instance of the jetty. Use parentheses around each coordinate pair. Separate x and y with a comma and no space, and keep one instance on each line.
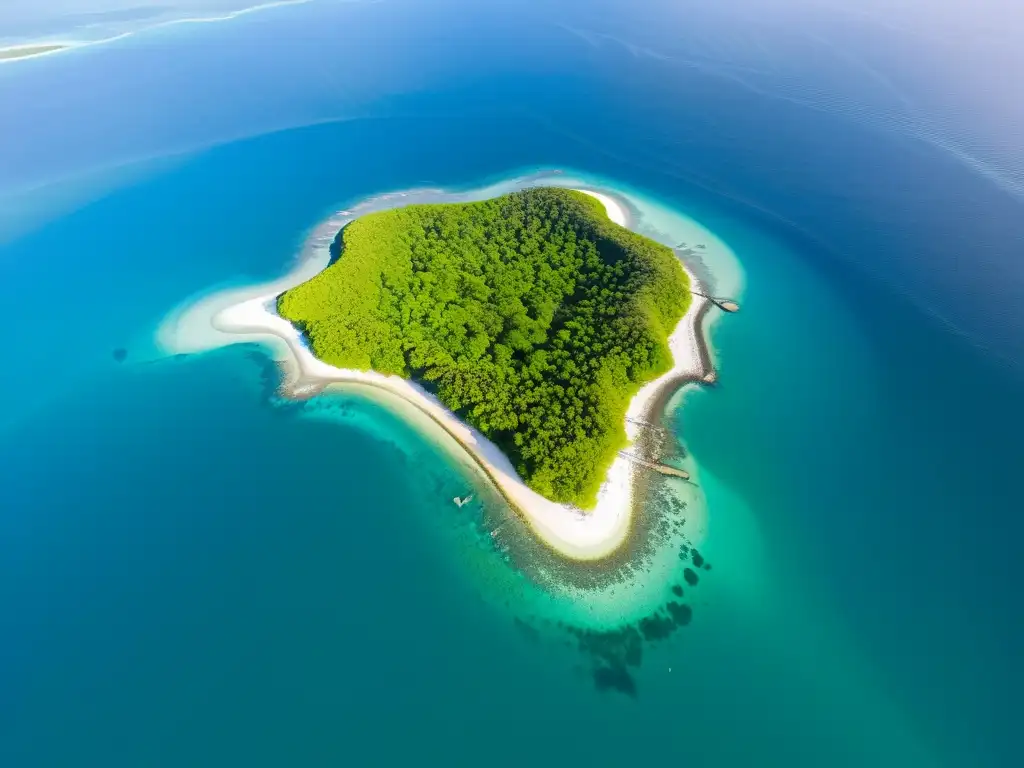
(726,305)
(663,469)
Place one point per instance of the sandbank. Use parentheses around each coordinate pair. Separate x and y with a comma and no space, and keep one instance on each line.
(249,314)
(25,51)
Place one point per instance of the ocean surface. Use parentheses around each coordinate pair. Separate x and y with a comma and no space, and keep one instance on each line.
(195,572)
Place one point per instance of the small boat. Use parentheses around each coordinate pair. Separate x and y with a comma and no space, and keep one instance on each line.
(464,500)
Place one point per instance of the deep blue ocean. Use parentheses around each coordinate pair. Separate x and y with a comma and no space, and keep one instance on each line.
(193,572)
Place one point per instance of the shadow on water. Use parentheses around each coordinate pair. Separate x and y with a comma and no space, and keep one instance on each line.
(335,247)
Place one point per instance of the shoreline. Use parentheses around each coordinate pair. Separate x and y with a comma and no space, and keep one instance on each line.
(249,314)
(63,47)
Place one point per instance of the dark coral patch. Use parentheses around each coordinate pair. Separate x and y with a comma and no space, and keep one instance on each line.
(633,653)
(613,654)
(120,354)
(615,678)
(617,647)
(682,614)
(656,627)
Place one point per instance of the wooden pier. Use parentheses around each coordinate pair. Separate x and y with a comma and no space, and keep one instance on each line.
(663,469)
(726,305)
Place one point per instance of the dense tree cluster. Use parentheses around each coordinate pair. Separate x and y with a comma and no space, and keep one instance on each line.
(531,315)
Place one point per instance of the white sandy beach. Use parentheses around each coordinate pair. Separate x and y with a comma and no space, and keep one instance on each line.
(248,314)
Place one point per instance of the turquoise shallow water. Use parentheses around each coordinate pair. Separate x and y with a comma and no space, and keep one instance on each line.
(192,572)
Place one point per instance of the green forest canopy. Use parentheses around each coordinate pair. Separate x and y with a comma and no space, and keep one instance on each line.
(531,315)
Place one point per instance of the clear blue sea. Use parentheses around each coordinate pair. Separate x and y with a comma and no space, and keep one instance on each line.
(193,572)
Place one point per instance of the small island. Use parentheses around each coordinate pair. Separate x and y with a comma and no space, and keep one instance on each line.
(532,316)
(531,333)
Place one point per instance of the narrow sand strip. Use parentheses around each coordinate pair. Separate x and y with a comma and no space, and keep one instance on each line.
(249,314)
(16,52)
